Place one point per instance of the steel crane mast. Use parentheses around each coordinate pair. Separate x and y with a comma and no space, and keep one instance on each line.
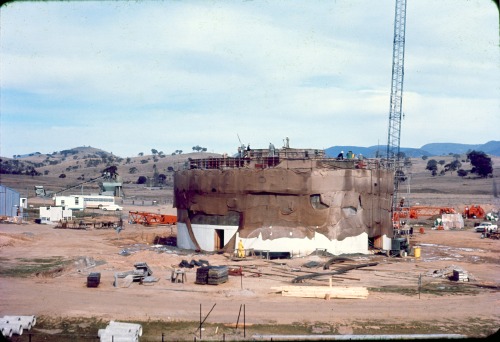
(395,111)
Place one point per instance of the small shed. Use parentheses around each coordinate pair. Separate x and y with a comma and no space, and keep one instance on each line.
(452,221)
(55,214)
(10,201)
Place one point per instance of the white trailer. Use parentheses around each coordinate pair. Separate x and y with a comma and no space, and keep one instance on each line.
(55,214)
(80,202)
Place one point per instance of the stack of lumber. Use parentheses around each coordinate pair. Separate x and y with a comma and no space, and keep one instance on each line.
(212,275)
(325,292)
(93,279)
(460,275)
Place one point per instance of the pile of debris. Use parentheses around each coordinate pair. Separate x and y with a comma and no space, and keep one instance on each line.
(212,275)
(452,272)
(15,325)
(120,332)
(184,263)
(142,274)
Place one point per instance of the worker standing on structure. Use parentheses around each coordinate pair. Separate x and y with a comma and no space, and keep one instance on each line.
(241,249)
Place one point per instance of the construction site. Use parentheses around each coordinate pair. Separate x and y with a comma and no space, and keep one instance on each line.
(266,244)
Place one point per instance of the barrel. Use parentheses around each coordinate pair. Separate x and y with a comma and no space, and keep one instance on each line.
(416,251)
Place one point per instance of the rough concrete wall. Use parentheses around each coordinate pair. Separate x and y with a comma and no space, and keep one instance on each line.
(353,201)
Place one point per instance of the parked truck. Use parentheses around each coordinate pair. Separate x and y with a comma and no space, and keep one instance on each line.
(486,227)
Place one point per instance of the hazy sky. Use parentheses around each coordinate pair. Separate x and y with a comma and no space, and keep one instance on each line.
(128,77)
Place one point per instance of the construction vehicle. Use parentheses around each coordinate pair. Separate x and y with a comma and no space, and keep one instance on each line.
(151,219)
(399,242)
(474,211)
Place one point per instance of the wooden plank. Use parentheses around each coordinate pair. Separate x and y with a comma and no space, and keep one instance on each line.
(350,292)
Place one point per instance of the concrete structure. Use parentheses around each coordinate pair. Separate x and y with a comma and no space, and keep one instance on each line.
(111,185)
(10,202)
(286,200)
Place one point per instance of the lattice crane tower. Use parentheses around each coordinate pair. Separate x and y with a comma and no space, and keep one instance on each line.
(395,112)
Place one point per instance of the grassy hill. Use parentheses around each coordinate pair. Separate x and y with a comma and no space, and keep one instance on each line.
(59,170)
(81,164)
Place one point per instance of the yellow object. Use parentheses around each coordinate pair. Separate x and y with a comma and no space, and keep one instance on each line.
(416,251)
(241,250)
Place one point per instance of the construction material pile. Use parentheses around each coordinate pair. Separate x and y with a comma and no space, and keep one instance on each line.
(120,332)
(93,279)
(141,274)
(15,325)
(212,275)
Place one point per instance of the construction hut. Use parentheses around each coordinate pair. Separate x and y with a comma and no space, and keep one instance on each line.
(10,202)
(289,200)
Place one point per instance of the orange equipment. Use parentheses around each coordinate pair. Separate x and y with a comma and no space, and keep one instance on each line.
(474,211)
(416,212)
(149,219)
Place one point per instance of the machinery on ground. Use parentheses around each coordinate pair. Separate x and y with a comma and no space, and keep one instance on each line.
(474,211)
(400,240)
(150,219)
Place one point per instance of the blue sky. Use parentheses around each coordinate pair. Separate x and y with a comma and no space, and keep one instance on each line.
(128,77)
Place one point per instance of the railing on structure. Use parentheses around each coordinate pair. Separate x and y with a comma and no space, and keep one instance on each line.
(271,162)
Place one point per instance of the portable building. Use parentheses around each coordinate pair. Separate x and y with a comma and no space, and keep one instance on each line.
(55,214)
(9,201)
(80,202)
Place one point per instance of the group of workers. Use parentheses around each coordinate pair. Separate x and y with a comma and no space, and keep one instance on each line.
(349,155)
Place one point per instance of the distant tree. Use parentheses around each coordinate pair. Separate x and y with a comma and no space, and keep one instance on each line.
(442,162)
(112,170)
(170,169)
(141,154)
(453,166)
(424,157)
(154,151)
(462,173)
(132,170)
(198,148)
(456,156)
(144,161)
(162,178)
(481,163)
(432,165)
(62,175)
(46,172)
(401,176)
(128,160)
(142,180)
